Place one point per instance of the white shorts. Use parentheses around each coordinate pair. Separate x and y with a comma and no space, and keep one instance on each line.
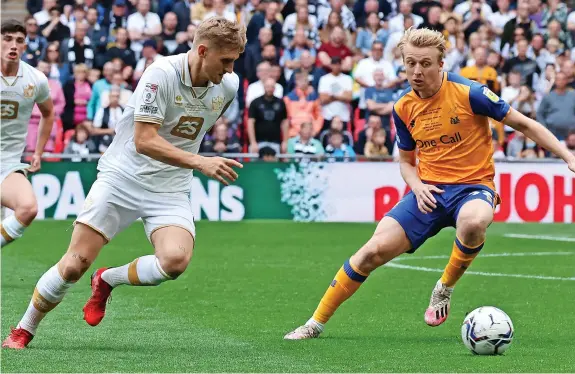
(8,168)
(114,202)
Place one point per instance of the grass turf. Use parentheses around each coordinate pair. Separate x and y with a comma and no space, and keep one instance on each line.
(251,282)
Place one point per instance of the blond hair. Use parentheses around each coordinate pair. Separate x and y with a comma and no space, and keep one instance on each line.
(422,38)
(221,34)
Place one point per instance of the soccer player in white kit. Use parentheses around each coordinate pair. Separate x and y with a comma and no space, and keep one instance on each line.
(147,173)
(22,87)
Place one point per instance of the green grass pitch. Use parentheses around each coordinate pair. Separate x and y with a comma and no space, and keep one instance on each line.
(251,282)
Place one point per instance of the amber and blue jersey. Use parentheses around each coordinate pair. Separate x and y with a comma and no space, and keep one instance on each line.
(451,131)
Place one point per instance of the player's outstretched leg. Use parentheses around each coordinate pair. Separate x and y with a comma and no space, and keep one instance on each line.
(173,246)
(388,242)
(18,195)
(472,222)
(53,285)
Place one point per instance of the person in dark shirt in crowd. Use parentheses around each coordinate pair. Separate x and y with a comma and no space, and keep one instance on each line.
(54,30)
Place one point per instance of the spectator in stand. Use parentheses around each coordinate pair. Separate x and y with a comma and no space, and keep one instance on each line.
(222,142)
(336,126)
(538,52)
(100,86)
(182,9)
(149,55)
(121,48)
(186,46)
(168,35)
(117,84)
(232,116)
(447,7)
(266,19)
(362,9)
(58,69)
(527,67)
(557,110)
(568,68)
(433,19)
(78,18)
(219,10)
(301,20)
(395,37)
(256,89)
(254,53)
(143,25)
(103,127)
(333,21)
(336,47)
(555,31)
(570,141)
(498,19)
(93,76)
(291,58)
(98,36)
(346,15)
(77,93)
(379,100)
(241,11)
(396,24)
(268,121)
(35,43)
(338,149)
(519,146)
(546,83)
(43,16)
(80,144)
(199,10)
(521,21)
(116,19)
(304,143)
(59,101)
(481,72)
(371,33)
(314,73)
(303,105)
(376,146)
(78,50)
(54,29)
(373,124)
(335,93)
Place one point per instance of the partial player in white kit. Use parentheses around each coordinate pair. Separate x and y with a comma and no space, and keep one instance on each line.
(147,173)
(22,87)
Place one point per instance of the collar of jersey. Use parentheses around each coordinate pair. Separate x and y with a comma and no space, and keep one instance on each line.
(443,80)
(20,70)
(187,79)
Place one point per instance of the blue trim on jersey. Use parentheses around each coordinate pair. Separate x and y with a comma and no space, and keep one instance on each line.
(459,79)
(352,274)
(404,138)
(405,92)
(465,249)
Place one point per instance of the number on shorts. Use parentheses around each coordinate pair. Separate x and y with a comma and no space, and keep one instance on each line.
(188,127)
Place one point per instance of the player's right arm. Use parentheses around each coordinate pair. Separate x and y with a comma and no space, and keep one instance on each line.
(426,202)
(151,100)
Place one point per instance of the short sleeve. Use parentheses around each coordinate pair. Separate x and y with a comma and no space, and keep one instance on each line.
(405,141)
(98,118)
(151,96)
(348,83)
(486,103)
(253,110)
(43,91)
(324,85)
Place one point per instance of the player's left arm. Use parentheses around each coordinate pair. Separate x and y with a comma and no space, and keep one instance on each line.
(46,106)
(484,102)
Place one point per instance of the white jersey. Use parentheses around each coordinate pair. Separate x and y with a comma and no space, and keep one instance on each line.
(165,96)
(17,99)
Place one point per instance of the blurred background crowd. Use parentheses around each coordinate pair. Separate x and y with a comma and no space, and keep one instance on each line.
(317,77)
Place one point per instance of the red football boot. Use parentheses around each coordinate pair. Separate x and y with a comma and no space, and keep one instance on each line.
(95,308)
(18,339)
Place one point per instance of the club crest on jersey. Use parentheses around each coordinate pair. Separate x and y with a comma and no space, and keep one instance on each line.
(179,100)
(217,103)
(29,91)
(150,92)
(490,94)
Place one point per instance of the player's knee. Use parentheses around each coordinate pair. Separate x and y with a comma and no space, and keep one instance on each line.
(175,263)
(473,228)
(26,211)
(72,268)
(375,253)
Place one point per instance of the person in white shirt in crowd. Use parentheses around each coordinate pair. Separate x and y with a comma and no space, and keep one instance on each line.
(395,37)
(396,24)
(498,19)
(103,127)
(347,17)
(301,19)
(219,10)
(117,83)
(143,25)
(465,9)
(256,89)
(149,55)
(335,94)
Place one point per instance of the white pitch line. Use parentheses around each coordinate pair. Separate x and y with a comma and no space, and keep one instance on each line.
(482,255)
(435,270)
(541,237)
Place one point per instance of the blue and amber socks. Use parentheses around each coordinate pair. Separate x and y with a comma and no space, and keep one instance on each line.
(346,282)
(461,257)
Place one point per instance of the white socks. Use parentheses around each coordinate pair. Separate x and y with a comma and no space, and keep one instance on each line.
(49,291)
(143,271)
(11,229)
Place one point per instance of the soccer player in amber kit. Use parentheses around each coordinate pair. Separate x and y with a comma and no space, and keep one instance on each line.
(442,121)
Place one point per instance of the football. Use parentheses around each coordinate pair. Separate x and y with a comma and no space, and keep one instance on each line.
(487,331)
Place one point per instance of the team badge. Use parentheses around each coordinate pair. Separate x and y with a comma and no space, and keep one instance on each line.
(217,103)
(150,93)
(490,95)
(29,91)
(179,100)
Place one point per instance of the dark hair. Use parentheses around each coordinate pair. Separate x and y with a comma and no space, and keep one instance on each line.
(12,26)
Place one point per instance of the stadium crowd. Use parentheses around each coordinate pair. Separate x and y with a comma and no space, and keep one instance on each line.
(319,77)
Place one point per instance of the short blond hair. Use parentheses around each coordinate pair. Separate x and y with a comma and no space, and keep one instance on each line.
(221,34)
(422,38)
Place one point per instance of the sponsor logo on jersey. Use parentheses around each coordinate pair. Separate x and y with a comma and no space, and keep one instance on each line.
(150,92)
(29,91)
(8,109)
(490,95)
(217,103)
(188,127)
(443,139)
(149,109)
